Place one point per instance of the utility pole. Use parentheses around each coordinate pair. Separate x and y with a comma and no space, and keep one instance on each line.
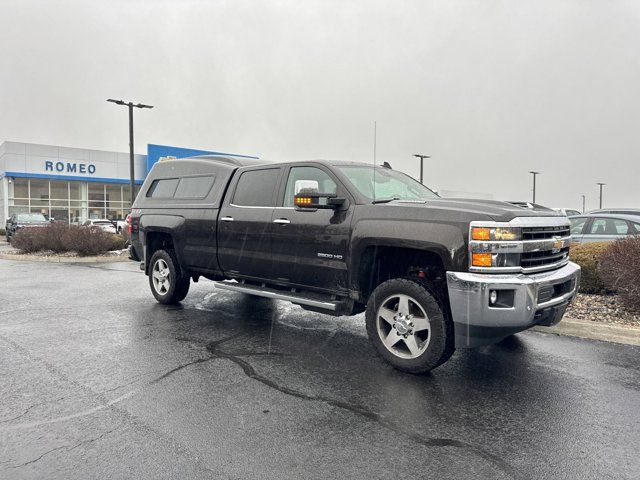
(583,202)
(601,185)
(534,185)
(421,157)
(131,105)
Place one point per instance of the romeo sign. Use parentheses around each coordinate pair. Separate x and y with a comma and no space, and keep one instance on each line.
(69,167)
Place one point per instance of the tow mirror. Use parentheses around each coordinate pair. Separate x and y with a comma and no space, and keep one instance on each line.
(307,196)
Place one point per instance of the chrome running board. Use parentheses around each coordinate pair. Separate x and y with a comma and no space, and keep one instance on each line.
(278,295)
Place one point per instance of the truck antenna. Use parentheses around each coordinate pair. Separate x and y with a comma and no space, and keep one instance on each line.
(375,137)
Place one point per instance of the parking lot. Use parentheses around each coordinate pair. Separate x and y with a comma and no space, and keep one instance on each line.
(100,381)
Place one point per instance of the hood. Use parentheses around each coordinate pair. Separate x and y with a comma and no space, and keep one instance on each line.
(496,210)
(33,224)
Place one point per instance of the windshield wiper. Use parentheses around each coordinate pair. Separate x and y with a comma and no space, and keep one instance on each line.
(386,200)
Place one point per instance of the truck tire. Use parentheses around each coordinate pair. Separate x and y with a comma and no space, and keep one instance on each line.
(409,325)
(168,284)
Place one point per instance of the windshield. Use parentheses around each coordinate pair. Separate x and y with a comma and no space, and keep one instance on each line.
(102,222)
(30,217)
(389,184)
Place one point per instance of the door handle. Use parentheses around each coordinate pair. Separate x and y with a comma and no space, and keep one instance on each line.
(226,219)
(282,221)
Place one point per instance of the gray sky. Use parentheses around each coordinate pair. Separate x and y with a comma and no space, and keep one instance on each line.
(490,89)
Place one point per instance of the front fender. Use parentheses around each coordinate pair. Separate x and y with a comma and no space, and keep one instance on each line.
(446,240)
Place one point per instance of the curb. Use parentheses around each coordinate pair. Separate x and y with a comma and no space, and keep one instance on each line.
(35,258)
(607,332)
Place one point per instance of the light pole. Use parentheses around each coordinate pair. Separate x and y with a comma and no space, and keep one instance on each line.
(421,157)
(583,202)
(132,180)
(534,184)
(601,185)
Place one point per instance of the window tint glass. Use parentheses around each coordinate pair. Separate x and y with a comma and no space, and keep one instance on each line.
(163,188)
(194,187)
(576,225)
(621,226)
(609,226)
(325,183)
(256,187)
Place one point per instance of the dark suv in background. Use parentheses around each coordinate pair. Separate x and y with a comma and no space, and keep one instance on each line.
(18,221)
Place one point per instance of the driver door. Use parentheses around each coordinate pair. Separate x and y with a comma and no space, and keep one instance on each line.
(310,247)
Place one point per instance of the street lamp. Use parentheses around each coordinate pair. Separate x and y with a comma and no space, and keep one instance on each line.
(534,184)
(583,202)
(601,184)
(421,157)
(131,105)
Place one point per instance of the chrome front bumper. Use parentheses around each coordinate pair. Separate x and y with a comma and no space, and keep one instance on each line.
(477,323)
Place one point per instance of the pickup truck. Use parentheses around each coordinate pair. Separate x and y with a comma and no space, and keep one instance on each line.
(341,238)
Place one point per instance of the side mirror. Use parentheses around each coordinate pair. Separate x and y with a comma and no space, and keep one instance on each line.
(308,197)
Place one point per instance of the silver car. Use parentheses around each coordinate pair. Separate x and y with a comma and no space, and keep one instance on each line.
(101,223)
(602,227)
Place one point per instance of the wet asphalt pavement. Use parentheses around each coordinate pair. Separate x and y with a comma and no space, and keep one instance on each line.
(97,380)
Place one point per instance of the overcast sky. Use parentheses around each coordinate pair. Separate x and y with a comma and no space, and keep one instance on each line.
(489,89)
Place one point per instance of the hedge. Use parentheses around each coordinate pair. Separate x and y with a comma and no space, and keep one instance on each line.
(587,255)
(619,268)
(60,237)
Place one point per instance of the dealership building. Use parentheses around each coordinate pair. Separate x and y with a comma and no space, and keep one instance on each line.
(74,184)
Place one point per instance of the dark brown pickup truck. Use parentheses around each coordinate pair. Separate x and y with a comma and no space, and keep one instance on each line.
(432,274)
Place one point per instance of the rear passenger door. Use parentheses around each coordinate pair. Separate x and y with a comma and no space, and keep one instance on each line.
(244,243)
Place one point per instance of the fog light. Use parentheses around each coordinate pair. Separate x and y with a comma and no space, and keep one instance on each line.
(493,297)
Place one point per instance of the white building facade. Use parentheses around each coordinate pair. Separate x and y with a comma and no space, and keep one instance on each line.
(68,184)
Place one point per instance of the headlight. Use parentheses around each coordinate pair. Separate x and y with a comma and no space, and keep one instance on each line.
(487,249)
(495,234)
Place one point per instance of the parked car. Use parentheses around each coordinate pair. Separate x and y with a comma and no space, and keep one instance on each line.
(619,211)
(18,221)
(569,212)
(102,223)
(433,274)
(602,227)
(121,225)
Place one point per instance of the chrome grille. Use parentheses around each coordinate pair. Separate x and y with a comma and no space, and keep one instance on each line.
(542,233)
(545,257)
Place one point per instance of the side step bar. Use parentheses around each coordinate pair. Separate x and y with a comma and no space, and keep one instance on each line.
(278,295)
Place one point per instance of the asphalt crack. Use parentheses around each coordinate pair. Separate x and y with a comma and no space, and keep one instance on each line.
(363,411)
(68,448)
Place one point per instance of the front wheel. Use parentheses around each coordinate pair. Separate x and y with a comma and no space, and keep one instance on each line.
(167,282)
(408,324)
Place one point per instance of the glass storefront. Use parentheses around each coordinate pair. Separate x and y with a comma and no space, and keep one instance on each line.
(72,202)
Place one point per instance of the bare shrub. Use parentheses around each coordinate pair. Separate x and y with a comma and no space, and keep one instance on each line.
(619,268)
(28,240)
(60,237)
(587,255)
(88,240)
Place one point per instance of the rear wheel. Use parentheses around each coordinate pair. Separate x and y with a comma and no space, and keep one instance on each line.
(408,324)
(168,283)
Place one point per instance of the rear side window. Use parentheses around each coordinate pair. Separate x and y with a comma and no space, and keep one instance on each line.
(609,226)
(194,187)
(256,188)
(163,188)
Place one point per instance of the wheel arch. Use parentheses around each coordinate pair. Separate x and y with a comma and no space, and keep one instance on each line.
(381,262)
